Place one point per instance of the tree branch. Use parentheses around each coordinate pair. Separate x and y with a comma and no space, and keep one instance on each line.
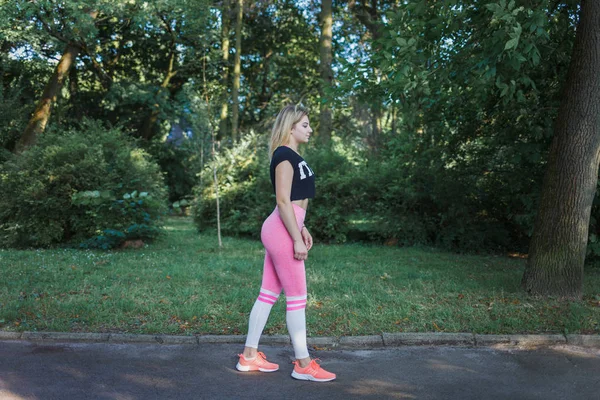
(105,78)
(51,31)
(367,16)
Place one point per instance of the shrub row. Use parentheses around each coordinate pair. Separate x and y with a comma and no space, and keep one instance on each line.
(89,186)
(383,199)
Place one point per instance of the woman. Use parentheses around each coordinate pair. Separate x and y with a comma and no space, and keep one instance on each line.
(287,242)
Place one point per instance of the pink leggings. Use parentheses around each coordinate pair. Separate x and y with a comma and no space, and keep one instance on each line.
(281,269)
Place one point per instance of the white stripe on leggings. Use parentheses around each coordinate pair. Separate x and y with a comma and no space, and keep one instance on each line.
(295,297)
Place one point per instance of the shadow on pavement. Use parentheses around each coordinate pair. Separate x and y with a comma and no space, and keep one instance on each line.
(36,370)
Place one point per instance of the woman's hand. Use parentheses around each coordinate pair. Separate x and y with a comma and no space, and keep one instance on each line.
(300,250)
(307,238)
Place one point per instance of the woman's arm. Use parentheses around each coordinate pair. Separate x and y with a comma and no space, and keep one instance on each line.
(307,237)
(284,175)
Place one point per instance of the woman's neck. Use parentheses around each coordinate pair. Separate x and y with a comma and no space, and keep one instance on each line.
(292,145)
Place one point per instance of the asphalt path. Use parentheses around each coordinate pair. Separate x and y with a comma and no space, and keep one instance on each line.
(56,370)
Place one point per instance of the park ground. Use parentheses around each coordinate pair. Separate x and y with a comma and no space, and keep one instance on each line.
(184,284)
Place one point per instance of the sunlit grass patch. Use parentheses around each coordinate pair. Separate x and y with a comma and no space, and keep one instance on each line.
(185,284)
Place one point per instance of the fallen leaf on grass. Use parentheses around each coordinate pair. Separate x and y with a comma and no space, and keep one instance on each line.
(518,255)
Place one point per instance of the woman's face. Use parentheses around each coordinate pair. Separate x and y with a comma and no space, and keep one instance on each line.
(301,131)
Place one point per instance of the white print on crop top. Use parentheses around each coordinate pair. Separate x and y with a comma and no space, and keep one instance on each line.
(301,168)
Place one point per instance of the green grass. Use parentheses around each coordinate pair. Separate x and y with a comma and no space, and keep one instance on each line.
(183,284)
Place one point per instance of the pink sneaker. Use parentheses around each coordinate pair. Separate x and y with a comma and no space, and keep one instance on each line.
(259,363)
(312,372)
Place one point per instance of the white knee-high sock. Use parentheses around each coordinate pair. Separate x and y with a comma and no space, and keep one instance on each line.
(258,316)
(296,324)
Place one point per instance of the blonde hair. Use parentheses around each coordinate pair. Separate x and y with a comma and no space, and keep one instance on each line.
(282,128)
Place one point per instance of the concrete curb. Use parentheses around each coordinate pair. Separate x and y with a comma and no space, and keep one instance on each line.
(321,342)
(361,341)
(537,340)
(491,340)
(220,339)
(65,336)
(432,339)
(4,335)
(584,340)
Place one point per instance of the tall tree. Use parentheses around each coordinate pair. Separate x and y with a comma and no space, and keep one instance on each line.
(325,70)
(369,14)
(225,24)
(235,112)
(39,119)
(283,66)
(43,109)
(169,73)
(558,246)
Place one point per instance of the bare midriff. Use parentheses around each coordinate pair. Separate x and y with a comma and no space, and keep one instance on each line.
(302,203)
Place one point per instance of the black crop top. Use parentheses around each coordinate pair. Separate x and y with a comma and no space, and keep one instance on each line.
(303,184)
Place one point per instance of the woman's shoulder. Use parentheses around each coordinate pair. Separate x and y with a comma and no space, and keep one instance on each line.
(284,152)
(283,149)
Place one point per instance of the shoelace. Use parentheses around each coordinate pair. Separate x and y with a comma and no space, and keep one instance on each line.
(314,364)
(261,356)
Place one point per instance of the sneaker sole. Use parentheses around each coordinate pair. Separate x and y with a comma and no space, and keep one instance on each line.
(309,377)
(246,368)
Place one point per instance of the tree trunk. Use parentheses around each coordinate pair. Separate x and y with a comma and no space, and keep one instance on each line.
(235,112)
(326,71)
(225,23)
(394,119)
(376,114)
(213,149)
(265,96)
(73,82)
(149,123)
(558,246)
(216,182)
(76,107)
(39,119)
(368,15)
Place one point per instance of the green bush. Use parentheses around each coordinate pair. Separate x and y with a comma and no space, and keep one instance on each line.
(246,195)
(337,200)
(400,196)
(17,92)
(80,187)
(180,166)
(413,197)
